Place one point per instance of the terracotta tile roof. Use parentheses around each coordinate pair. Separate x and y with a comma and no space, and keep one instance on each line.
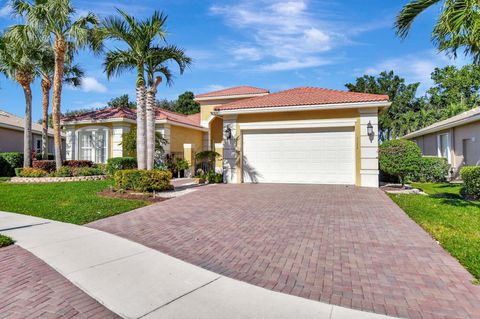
(11,120)
(121,113)
(303,96)
(237,90)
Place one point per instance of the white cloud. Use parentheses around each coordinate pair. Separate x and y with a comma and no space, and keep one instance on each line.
(90,84)
(5,11)
(414,67)
(283,34)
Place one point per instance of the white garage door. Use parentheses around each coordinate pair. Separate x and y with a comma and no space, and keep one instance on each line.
(291,156)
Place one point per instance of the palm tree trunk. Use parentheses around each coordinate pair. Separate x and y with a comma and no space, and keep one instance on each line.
(60,49)
(151,98)
(27,130)
(46,86)
(141,134)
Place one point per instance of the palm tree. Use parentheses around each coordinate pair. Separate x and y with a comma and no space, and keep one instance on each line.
(156,63)
(56,19)
(18,62)
(72,76)
(458,25)
(139,36)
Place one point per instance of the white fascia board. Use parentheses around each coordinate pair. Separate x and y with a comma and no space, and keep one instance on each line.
(112,120)
(193,127)
(442,127)
(229,97)
(305,108)
(298,124)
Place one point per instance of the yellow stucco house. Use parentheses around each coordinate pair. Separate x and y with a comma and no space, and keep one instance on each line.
(301,135)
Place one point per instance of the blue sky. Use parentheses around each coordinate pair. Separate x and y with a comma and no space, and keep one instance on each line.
(273,44)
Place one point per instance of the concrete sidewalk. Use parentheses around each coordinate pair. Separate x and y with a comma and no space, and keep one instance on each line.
(135,281)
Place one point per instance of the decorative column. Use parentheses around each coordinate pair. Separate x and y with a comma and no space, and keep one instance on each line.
(369,148)
(117,138)
(188,156)
(229,149)
(70,143)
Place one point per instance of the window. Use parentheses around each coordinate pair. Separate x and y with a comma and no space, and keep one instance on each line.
(38,145)
(443,145)
(92,145)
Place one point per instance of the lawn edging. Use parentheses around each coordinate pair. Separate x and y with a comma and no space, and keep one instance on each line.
(28,180)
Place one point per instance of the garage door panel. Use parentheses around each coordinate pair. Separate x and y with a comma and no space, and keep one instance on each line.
(326,157)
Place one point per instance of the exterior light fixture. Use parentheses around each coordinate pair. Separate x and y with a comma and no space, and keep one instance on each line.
(228,133)
(370,131)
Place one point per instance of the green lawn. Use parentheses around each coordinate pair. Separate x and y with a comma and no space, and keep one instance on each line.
(451,220)
(5,241)
(75,203)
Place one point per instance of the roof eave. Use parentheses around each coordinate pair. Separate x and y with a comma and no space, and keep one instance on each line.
(293,108)
(446,126)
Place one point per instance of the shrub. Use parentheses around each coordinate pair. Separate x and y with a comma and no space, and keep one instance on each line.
(78,163)
(120,163)
(213,177)
(32,172)
(102,168)
(471,181)
(143,180)
(432,169)
(18,171)
(400,158)
(89,171)
(9,161)
(46,165)
(64,171)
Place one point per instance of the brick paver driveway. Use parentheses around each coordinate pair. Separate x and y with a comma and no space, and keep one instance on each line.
(342,245)
(29,288)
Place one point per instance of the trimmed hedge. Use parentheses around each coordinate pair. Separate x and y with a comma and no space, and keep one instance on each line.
(142,180)
(46,165)
(400,158)
(120,163)
(32,172)
(471,181)
(9,161)
(78,163)
(432,169)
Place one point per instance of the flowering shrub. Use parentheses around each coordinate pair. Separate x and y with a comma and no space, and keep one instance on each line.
(32,172)
(46,165)
(78,163)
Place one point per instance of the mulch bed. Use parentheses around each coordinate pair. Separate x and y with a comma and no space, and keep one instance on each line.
(131,195)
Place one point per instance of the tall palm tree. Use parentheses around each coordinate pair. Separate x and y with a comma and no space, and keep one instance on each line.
(58,21)
(457,26)
(139,36)
(18,62)
(157,63)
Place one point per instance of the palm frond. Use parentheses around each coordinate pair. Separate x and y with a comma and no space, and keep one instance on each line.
(409,13)
(118,61)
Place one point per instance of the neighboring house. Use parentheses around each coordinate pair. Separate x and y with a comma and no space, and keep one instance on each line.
(457,139)
(11,134)
(301,135)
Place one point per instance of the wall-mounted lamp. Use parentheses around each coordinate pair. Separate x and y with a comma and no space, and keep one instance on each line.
(370,131)
(228,133)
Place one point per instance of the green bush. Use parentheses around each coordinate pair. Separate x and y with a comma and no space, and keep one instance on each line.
(102,168)
(18,171)
(142,180)
(9,161)
(32,172)
(89,171)
(400,158)
(64,171)
(432,170)
(213,177)
(120,163)
(471,181)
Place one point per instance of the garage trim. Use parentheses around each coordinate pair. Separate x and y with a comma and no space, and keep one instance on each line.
(297,124)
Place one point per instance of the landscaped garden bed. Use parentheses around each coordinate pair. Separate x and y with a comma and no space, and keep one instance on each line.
(5,241)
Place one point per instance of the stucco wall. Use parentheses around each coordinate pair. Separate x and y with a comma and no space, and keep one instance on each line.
(207,107)
(182,135)
(216,131)
(12,141)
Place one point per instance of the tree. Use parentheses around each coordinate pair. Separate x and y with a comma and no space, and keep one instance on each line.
(129,143)
(57,20)
(157,63)
(123,101)
(457,26)
(402,96)
(19,62)
(400,158)
(186,104)
(138,37)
